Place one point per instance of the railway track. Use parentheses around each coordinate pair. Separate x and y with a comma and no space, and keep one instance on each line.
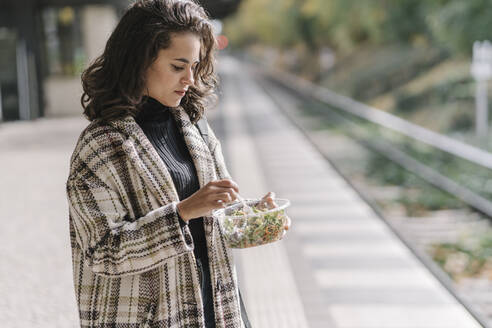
(419,233)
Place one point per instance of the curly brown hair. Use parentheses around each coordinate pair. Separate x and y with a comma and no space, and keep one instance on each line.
(114,83)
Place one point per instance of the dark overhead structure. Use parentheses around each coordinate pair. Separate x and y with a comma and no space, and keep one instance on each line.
(220,9)
(41,38)
(217,9)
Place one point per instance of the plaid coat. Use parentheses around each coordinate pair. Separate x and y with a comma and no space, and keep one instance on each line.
(133,265)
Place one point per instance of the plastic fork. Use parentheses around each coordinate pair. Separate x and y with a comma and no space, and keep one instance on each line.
(246,207)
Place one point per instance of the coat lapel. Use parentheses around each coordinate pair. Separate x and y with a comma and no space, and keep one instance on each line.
(150,166)
(146,160)
(199,151)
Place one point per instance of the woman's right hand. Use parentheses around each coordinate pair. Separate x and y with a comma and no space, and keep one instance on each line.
(215,194)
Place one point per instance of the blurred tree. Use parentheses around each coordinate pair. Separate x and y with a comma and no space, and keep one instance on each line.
(260,21)
(456,24)
(404,20)
(345,25)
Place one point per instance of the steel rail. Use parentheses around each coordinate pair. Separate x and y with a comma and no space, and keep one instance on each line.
(379,117)
(391,152)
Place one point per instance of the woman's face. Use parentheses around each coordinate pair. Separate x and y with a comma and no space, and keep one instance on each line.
(171,74)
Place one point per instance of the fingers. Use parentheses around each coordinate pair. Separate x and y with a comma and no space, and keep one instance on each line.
(268,200)
(283,234)
(287,223)
(225,197)
(286,226)
(269,196)
(214,195)
(226,183)
(224,190)
(219,203)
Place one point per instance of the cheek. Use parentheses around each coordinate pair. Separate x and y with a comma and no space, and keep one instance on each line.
(162,78)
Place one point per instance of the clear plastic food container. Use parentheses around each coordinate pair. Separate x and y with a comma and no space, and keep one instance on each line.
(243,230)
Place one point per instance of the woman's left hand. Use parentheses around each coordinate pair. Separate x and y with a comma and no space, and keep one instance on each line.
(268,201)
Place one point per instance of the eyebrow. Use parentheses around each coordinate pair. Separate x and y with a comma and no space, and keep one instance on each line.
(184,60)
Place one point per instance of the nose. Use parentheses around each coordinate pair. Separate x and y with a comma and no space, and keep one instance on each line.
(188,78)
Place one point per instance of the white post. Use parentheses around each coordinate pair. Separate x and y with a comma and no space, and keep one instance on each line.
(482,108)
(481,70)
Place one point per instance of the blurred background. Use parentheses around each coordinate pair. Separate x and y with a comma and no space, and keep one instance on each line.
(393,95)
(46,44)
(411,58)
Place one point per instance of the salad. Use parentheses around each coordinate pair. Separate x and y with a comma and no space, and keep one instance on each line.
(243,229)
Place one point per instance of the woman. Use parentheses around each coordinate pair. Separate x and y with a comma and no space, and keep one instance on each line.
(143,180)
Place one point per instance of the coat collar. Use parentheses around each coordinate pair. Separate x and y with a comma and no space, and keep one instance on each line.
(150,166)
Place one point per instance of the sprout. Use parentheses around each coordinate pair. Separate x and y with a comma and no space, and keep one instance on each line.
(264,228)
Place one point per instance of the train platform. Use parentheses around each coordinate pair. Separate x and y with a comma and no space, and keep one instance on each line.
(340,265)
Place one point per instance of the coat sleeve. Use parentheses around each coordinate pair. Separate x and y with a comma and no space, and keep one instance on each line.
(111,243)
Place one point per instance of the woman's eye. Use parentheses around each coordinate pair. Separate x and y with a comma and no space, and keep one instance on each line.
(177,68)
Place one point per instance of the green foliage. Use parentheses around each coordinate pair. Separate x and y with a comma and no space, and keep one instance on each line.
(375,70)
(447,91)
(405,20)
(265,21)
(419,197)
(386,172)
(471,256)
(456,24)
(347,24)
(462,122)
(428,199)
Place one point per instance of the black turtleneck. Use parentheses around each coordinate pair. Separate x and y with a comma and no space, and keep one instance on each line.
(160,127)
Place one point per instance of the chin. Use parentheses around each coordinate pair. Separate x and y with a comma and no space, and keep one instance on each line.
(171,103)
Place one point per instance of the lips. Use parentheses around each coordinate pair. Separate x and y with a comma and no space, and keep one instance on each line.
(181,93)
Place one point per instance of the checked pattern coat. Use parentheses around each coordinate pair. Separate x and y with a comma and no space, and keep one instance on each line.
(133,265)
